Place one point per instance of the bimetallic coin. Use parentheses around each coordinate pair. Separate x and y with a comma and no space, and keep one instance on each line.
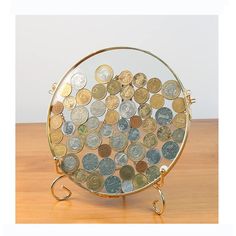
(75,144)
(118,141)
(97,108)
(178,105)
(79,115)
(127,186)
(139,181)
(112,117)
(150,140)
(123,125)
(93,140)
(121,159)
(92,123)
(114,87)
(127,92)
(170,150)
(154,85)
(104,150)
(82,130)
(152,173)
(56,136)
(104,74)
(127,109)
(69,102)
(141,95)
(135,121)
(80,176)
(164,116)
(65,90)
(157,101)
(59,150)
(112,102)
(139,80)
(68,128)
(127,172)
(125,77)
(56,121)
(134,134)
(153,156)
(106,166)
(179,120)
(136,151)
(113,184)
(164,133)
(78,80)
(178,135)
(145,110)
(57,108)
(95,182)
(106,130)
(99,91)
(83,97)
(70,163)
(149,125)
(90,162)
(170,89)
(141,166)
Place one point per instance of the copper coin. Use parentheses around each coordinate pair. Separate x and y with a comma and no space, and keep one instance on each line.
(57,108)
(178,105)
(104,150)
(141,166)
(135,121)
(83,97)
(141,95)
(125,77)
(139,80)
(154,85)
(114,87)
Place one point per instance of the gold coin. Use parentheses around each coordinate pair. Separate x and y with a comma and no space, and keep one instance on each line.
(171,89)
(83,97)
(145,110)
(125,77)
(127,92)
(66,90)
(56,121)
(178,105)
(141,95)
(149,125)
(157,101)
(69,102)
(99,91)
(150,140)
(154,85)
(56,136)
(104,74)
(114,87)
(139,80)
(112,102)
(57,108)
(59,150)
(179,120)
(111,117)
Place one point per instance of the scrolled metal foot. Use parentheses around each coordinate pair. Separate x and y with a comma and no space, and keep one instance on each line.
(159,205)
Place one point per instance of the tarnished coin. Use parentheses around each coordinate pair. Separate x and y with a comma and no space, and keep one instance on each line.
(149,125)
(68,128)
(112,117)
(170,150)
(113,184)
(104,150)
(70,163)
(170,89)
(90,162)
(139,80)
(164,116)
(127,109)
(164,133)
(153,172)
(114,87)
(107,166)
(69,102)
(153,156)
(65,90)
(95,182)
(178,135)
(56,136)
(118,141)
(145,110)
(59,150)
(127,92)
(93,140)
(112,102)
(83,97)
(179,120)
(82,130)
(121,159)
(78,80)
(123,125)
(154,85)
(141,166)
(92,123)
(178,105)
(134,134)
(141,95)
(75,144)
(97,108)
(104,74)
(139,181)
(106,130)
(135,121)
(127,172)
(136,151)
(56,121)
(150,140)
(157,101)
(80,176)
(127,186)
(125,77)
(79,115)
(99,91)
(57,108)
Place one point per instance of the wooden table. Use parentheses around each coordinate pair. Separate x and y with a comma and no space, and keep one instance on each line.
(191,188)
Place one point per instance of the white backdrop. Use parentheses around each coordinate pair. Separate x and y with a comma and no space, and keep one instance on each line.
(46,46)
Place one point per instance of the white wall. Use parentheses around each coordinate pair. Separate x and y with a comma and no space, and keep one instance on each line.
(46,46)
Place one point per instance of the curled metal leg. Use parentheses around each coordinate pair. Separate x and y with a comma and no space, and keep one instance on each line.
(159,205)
(57,166)
(69,193)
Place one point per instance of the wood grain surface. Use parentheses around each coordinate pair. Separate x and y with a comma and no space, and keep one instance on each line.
(191,188)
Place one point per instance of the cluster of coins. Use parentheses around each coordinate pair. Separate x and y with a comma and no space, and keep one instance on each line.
(119,132)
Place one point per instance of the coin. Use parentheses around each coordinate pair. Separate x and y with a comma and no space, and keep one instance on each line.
(104,74)
(154,85)
(112,184)
(170,150)
(163,116)
(106,130)
(99,91)
(136,151)
(56,136)
(90,162)
(79,115)
(104,150)
(97,108)
(68,128)
(139,80)
(127,186)
(145,110)
(121,159)
(141,95)
(92,123)
(111,117)
(93,140)
(179,120)
(139,181)
(95,182)
(134,134)
(127,172)
(123,125)
(70,163)
(170,89)
(178,105)
(127,109)
(106,166)
(150,140)
(80,176)
(65,90)
(149,125)
(141,166)
(114,87)
(82,130)
(69,102)
(118,141)
(153,172)
(57,108)
(135,121)
(125,77)
(75,144)
(78,80)
(178,135)
(83,97)
(127,92)
(157,101)
(59,150)
(153,156)
(112,102)
(56,121)
(164,133)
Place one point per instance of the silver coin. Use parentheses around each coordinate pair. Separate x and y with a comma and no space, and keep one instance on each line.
(178,135)
(152,173)
(79,115)
(68,128)
(93,140)
(170,150)
(106,166)
(78,80)
(127,186)
(118,142)
(70,163)
(136,151)
(134,134)
(90,161)
(127,109)
(164,116)
(113,184)
(97,108)
(104,74)
(92,123)
(106,130)
(121,159)
(123,125)
(75,144)
(153,156)
(170,89)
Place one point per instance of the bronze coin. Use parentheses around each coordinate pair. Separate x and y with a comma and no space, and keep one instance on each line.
(154,85)
(57,108)
(99,91)
(139,80)
(125,77)
(141,95)
(112,117)
(127,92)
(56,121)
(178,105)
(157,101)
(127,172)
(104,150)
(114,87)
(179,120)
(83,97)
(135,121)
(56,136)
(141,166)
